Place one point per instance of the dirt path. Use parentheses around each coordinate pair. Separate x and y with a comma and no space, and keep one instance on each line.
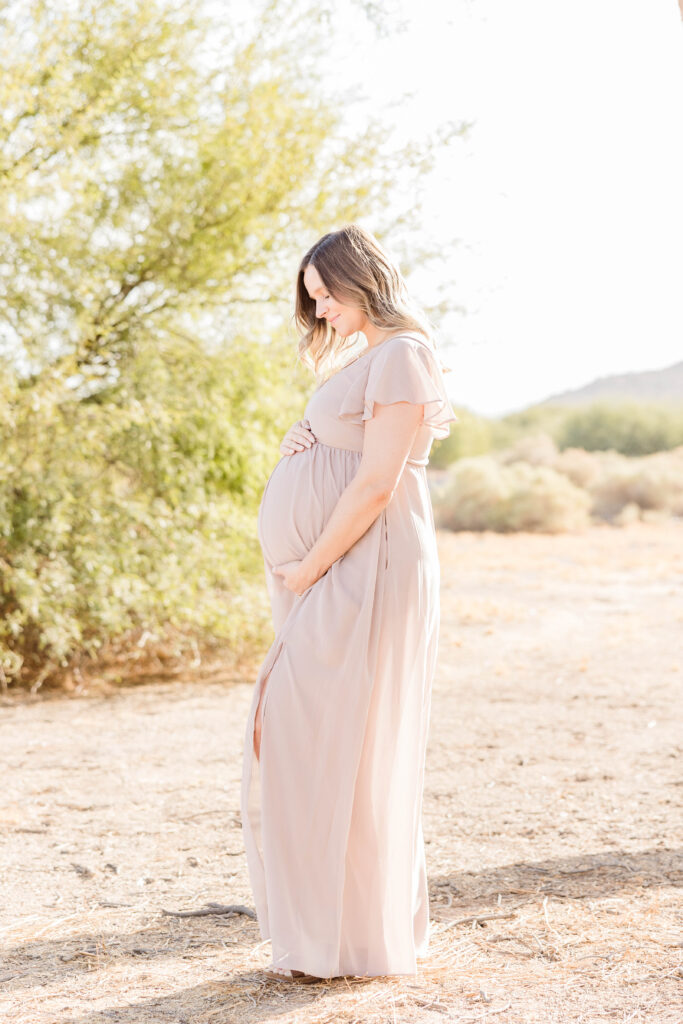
(550,803)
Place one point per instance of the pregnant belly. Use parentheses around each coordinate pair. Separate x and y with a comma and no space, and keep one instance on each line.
(299,498)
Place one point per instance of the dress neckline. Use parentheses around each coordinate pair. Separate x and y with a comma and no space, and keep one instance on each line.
(368,351)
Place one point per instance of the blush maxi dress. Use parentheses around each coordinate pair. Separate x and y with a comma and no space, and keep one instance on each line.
(332,809)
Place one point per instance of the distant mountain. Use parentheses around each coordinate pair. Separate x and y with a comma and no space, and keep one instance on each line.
(647,386)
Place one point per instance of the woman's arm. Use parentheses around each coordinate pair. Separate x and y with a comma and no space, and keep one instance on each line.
(389,437)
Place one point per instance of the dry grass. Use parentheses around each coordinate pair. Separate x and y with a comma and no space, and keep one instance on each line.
(550,817)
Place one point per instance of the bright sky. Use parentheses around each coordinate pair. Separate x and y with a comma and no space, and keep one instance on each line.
(567,195)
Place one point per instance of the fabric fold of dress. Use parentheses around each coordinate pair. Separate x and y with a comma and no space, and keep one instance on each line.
(332,811)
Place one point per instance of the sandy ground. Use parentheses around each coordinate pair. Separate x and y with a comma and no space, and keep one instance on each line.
(551,817)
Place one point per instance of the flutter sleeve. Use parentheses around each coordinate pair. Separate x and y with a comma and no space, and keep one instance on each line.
(406,371)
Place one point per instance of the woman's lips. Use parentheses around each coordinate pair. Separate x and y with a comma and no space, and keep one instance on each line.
(335,318)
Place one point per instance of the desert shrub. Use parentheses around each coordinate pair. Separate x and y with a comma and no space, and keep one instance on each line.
(532,483)
(537,449)
(543,500)
(483,494)
(613,482)
(651,483)
(629,427)
(630,513)
(581,467)
(470,495)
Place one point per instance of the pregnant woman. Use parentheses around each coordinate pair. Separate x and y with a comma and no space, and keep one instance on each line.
(336,736)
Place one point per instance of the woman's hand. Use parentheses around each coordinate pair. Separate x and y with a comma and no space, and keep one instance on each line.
(297,438)
(295,576)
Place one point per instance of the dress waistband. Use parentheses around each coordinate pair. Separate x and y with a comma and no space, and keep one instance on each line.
(343,448)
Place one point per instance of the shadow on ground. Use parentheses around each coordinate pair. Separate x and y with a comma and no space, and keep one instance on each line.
(589,876)
(36,964)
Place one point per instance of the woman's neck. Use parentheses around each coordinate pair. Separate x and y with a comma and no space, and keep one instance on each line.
(376,335)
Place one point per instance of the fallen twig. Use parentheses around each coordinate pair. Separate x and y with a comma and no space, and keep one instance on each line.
(433,1005)
(212,908)
(484,917)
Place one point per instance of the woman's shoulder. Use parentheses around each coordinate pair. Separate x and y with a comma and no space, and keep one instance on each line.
(406,347)
(407,339)
(409,346)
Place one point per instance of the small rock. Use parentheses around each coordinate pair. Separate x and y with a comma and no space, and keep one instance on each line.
(82,870)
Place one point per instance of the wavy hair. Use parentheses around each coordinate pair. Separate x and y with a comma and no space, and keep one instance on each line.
(357,271)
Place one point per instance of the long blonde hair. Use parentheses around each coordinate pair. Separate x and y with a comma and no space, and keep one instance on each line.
(357,271)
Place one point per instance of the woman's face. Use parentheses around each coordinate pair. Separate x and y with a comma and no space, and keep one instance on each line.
(346,320)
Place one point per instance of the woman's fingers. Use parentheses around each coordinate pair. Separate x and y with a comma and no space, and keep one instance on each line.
(289,447)
(305,431)
(297,438)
